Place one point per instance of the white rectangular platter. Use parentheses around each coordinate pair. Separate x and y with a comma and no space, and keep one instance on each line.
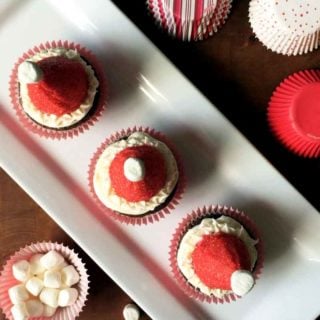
(221,165)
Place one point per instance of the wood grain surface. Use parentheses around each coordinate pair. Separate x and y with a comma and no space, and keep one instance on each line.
(22,221)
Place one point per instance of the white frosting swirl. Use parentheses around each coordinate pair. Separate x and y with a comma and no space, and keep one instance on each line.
(194,235)
(102,183)
(68,119)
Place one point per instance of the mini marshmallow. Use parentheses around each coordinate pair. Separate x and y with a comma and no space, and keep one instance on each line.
(40,276)
(134,169)
(50,296)
(34,285)
(48,311)
(63,265)
(242,282)
(29,72)
(51,260)
(52,279)
(67,297)
(36,266)
(18,294)
(70,276)
(21,270)
(19,312)
(34,308)
(131,312)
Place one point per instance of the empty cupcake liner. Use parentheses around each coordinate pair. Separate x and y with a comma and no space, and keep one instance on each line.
(189,16)
(148,217)
(84,124)
(294,113)
(286,27)
(189,221)
(188,29)
(7,280)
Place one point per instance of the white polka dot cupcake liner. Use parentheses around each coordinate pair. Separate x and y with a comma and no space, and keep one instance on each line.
(193,219)
(287,27)
(94,113)
(173,199)
(7,280)
(190,20)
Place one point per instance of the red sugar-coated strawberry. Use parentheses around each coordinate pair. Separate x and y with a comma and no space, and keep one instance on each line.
(63,88)
(217,256)
(153,181)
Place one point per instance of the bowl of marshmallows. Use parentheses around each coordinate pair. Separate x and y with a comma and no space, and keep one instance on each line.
(43,280)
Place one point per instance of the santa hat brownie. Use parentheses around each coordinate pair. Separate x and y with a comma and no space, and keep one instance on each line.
(216,254)
(288,27)
(136,176)
(58,89)
(138,173)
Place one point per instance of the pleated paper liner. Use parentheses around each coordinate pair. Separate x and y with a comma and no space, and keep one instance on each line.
(194,30)
(167,21)
(93,114)
(187,15)
(294,113)
(163,210)
(286,27)
(190,29)
(193,219)
(7,280)
(285,30)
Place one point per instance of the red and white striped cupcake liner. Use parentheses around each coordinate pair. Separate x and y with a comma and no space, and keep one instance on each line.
(190,20)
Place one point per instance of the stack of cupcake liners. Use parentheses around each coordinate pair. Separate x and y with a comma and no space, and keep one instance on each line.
(288,27)
(294,113)
(190,20)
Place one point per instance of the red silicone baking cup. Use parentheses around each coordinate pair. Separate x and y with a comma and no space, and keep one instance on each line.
(146,218)
(84,124)
(7,280)
(294,113)
(201,28)
(194,218)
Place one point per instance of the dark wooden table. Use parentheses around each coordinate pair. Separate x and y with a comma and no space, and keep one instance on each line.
(238,75)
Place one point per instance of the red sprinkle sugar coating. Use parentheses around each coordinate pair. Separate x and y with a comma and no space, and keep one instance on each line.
(63,88)
(153,181)
(217,256)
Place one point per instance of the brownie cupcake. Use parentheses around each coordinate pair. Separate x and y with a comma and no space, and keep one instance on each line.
(56,88)
(135,174)
(216,254)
